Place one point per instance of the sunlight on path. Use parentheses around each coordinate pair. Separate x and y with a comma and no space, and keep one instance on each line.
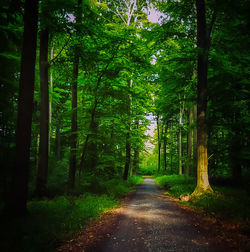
(152,223)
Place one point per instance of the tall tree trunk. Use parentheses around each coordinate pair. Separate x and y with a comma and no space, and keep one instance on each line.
(235,149)
(42,173)
(58,141)
(180,143)
(171,148)
(18,198)
(50,97)
(189,141)
(203,185)
(136,160)
(73,142)
(180,151)
(92,122)
(165,148)
(128,145)
(195,141)
(92,149)
(136,152)
(127,160)
(159,144)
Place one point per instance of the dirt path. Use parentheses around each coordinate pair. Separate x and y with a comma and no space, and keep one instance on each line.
(149,222)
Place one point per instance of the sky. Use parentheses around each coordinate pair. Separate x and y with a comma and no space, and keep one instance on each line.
(150,132)
(152,126)
(154,16)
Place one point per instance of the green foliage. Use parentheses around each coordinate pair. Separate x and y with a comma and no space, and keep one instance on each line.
(113,188)
(148,165)
(53,221)
(176,184)
(227,201)
(50,221)
(113,53)
(231,205)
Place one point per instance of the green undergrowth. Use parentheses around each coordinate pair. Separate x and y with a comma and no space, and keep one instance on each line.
(227,201)
(175,185)
(51,221)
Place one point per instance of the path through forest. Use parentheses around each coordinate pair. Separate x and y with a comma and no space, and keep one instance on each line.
(150,222)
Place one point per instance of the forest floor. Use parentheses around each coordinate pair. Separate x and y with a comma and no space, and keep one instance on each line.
(148,220)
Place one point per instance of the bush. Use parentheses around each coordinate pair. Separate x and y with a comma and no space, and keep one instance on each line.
(227,201)
(52,221)
(176,184)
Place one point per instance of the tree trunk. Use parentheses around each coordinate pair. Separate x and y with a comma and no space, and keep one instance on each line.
(203,185)
(165,149)
(136,152)
(159,144)
(235,149)
(17,201)
(180,151)
(50,97)
(73,142)
(189,142)
(127,160)
(58,141)
(136,160)
(42,173)
(195,141)
(171,149)
(92,149)
(180,144)
(128,146)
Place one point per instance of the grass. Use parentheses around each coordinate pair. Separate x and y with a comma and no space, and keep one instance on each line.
(176,184)
(52,221)
(229,202)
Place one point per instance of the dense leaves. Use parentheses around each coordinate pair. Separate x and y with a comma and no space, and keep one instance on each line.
(115,71)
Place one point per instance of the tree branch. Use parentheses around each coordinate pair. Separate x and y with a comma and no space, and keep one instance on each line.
(66,43)
(210,29)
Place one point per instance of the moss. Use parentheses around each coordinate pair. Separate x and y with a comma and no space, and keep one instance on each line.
(199,191)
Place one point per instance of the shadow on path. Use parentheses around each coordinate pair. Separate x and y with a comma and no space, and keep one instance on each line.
(149,222)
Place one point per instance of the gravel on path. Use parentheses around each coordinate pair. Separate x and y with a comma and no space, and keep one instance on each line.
(151,223)
(147,222)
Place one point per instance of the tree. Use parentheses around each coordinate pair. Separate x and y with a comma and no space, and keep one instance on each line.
(189,141)
(159,143)
(195,141)
(18,198)
(73,146)
(165,147)
(203,39)
(128,144)
(42,173)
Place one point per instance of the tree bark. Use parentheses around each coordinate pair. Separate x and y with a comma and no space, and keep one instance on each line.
(180,144)
(136,152)
(18,199)
(159,144)
(189,141)
(73,142)
(136,160)
(42,173)
(128,146)
(203,185)
(171,149)
(165,148)
(195,141)
(58,141)
(235,149)
(50,98)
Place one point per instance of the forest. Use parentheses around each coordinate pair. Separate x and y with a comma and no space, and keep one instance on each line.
(97,94)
